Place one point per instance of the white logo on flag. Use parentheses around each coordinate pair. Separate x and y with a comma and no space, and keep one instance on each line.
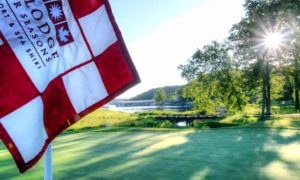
(56,12)
(45,46)
(63,34)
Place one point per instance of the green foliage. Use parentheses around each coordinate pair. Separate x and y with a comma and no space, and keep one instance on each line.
(149,122)
(160,96)
(212,124)
(200,124)
(214,80)
(200,94)
(264,65)
(277,84)
(166,124)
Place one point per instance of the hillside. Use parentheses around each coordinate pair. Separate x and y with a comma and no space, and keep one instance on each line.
(169,90)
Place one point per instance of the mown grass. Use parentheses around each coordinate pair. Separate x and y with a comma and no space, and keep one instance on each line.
(98,147)
(126,153)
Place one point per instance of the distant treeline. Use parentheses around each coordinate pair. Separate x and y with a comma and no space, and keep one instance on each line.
(169,90)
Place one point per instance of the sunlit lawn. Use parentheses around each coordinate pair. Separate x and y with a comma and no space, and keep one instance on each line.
(255,109)
(169,154)
(102,118)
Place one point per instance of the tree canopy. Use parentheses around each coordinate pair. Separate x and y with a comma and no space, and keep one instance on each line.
(214,79)
(259,61)
(160,96)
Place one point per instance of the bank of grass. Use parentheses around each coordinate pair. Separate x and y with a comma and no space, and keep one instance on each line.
(283,116)
(255,109)
(249,121)
(102,118)
(248,118)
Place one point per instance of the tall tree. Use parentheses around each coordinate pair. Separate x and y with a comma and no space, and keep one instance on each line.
(295,43)
(214,80)
(290,17)
(254,39)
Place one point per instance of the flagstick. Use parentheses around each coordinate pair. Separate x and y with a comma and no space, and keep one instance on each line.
(48,163)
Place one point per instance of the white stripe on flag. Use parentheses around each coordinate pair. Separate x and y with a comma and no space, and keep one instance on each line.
(99,34)
(85,87)
(25,127)
(1,42)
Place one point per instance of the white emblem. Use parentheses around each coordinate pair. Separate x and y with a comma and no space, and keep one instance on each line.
(63,34)
(56,12)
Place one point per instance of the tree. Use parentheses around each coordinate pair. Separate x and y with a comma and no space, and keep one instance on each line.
(290,10)
(160,96)
(287,91)
(214,80)
(295,28)
(249,39)
(297,81)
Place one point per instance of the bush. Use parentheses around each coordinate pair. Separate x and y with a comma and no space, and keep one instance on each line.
(212,124)
(200,124)
(150,122)
(166,124)
(128,124)
(141,122)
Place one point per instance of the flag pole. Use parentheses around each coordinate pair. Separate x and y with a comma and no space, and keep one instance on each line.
(48,163)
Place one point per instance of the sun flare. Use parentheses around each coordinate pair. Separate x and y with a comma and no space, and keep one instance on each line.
(273,40)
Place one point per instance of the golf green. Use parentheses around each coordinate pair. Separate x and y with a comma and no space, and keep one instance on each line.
(169,154)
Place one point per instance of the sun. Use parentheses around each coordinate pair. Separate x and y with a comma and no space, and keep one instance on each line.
(56,12)
(273,40)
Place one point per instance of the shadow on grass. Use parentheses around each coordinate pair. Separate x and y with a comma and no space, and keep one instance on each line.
(189,154)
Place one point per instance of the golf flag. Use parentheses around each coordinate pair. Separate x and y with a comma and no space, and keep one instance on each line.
(59,61)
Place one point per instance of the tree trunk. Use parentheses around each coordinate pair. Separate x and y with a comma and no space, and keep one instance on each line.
(268,89)
(297,84)
(264,94)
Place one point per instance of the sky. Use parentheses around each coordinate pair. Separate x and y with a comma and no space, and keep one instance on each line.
(162,34)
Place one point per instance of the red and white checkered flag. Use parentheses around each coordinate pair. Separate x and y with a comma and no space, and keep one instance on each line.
(60,60)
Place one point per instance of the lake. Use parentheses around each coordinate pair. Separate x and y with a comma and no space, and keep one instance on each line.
(133,109)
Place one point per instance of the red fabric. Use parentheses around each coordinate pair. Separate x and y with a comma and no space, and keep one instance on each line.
(113,68)
(82,8)
(58,109)
(16,87)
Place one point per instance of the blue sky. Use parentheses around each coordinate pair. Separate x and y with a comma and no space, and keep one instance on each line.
(162,34)
(138,17)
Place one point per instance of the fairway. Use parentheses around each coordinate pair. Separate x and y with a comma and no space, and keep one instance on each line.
(169,154)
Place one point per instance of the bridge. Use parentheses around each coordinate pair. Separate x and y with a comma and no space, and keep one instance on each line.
(187,118)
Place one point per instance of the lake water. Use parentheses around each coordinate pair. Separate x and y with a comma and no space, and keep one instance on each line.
(133,109)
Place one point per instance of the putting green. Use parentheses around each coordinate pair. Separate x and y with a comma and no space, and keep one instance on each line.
(169,154)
